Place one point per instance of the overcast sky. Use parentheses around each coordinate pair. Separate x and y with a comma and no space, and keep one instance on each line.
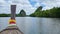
(28,5)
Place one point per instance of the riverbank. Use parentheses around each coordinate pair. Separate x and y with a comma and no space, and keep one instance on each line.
(51,13)
(8,15)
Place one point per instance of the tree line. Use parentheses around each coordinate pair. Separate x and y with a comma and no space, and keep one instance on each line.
(21,14)
(54,12)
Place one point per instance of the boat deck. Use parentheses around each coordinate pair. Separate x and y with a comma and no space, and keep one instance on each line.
(11,30)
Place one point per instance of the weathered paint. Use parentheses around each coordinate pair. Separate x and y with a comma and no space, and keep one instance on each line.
(13,11)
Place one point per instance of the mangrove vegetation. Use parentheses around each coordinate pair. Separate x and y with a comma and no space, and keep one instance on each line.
(21,14)
(54,12)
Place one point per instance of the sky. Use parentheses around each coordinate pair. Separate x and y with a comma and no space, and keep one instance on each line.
(29,6)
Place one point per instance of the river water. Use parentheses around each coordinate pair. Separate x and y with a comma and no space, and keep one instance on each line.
(34,25)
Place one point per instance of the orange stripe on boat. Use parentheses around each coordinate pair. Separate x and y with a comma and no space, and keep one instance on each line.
(12,21)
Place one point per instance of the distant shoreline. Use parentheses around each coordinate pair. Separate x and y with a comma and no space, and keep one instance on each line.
(38,17)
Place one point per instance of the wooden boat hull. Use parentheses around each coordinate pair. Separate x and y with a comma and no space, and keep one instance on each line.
(11,30)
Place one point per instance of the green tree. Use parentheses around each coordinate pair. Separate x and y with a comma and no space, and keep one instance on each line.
(38,12)
(54,12)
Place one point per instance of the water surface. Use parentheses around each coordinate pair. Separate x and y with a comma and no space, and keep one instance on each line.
(33,25)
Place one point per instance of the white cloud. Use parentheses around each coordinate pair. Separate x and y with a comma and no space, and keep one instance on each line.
(48,3)
(37,5)
(25,4)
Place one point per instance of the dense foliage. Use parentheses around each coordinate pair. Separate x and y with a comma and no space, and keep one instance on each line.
(21,14)
(5,15)
(54,12)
